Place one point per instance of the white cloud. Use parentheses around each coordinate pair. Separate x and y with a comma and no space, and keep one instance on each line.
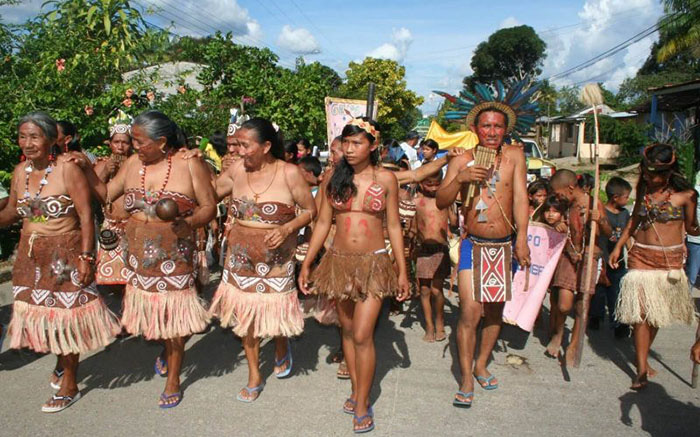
(509,22)
(606,23)
(298,41)
(21,12)
(396,50)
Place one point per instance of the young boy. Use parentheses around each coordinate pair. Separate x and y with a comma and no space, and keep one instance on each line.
(433,260)
(618,192)
(311,169)
(570,275)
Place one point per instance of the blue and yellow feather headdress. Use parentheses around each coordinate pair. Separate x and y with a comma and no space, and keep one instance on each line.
(514,102)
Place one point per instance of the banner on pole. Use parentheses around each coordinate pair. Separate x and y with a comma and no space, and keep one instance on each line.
(546,246)
(340,111)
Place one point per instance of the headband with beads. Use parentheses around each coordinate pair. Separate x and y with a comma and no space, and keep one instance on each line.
(657,166)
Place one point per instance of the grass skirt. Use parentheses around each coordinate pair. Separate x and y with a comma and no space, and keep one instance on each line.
(648,296)
(355,276)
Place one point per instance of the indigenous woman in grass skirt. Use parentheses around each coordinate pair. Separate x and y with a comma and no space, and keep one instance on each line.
(168,196)
(270,202)
(111,266)
(57,308)
(356,270)
(654,291)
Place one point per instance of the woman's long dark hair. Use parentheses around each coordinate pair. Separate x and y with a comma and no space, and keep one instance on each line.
(265,131)
(662,154)
(341,186)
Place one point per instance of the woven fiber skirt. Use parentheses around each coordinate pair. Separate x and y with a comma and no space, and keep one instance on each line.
(52,312)
(658,296)
(355,276)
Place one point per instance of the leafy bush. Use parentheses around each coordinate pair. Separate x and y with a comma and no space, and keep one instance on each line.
(632,137)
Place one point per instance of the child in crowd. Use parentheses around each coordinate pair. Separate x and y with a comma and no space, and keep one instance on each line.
(537,192)
(429,148)
(433,260)
(569,282)
(586,182)
(552,213)
(311,169)
(618,192)
(692,243)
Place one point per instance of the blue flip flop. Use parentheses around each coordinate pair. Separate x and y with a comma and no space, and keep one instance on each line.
(359,420)
(250,392)
(485,383)
(348,410)
(287,358)
(163,365)
(167,398)
(463,404)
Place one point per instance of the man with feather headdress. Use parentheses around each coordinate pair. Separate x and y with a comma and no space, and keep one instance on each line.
(491,181)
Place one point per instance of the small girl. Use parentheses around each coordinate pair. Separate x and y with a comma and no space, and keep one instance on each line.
(537,193)
(552,213)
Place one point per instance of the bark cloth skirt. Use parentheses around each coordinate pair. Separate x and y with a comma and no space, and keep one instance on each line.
(355,276)
(111,264)
(52,312)
(258,293)
(655,289)
(161,300)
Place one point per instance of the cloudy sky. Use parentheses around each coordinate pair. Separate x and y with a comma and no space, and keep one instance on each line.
(434,40)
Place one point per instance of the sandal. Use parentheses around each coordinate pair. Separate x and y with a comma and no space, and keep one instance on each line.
(440,336)
(58,374)
(485,383)
(640,382)
(56,408)
(167,400)
(160,366)
(253,393)
(357,422)
(343,372)
(286,359)
(349,406)
(463,404)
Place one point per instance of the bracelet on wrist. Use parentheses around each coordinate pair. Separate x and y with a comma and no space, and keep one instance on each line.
(87,257)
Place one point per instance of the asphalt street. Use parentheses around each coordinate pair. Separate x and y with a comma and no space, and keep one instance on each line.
(414,385)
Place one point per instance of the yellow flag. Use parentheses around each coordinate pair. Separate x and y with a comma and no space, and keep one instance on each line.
(465,139)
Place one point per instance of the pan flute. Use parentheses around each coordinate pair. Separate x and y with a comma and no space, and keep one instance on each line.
(484,157)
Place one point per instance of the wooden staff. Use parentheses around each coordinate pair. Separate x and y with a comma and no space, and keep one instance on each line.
(590,95)
(694,373)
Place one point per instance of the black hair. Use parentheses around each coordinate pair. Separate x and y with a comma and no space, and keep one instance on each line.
(563,178)
(218,142)
(552,201)
(412,135)
(156,124)
(505,116)
(585,180)
(291,147)
(663,154)
(338,138)
(430,143)
(311,164)
(617,186)
(341,186)
(69,128)
(183,139)
(390,143)
(306,143)
(265,131)
(437,175)
(403,164)
(535,186)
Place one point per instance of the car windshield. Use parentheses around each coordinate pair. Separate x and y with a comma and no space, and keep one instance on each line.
(530,150)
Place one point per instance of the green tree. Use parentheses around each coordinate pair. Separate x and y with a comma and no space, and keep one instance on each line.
(568,100)
(396,112)
(681,29)
(509,54)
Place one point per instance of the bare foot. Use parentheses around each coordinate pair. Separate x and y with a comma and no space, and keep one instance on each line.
(552,350)
(640,382)
(651,372)
(429,336)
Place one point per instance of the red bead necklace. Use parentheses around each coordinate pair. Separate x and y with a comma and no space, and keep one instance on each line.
(151,197)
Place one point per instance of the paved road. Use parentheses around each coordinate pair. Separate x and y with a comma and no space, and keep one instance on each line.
(412,393)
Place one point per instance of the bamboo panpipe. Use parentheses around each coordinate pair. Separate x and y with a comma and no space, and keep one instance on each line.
(484,157)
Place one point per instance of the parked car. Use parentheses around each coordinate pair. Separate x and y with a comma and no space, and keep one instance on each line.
(537,165)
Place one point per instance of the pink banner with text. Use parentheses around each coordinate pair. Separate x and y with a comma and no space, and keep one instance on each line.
(546,246)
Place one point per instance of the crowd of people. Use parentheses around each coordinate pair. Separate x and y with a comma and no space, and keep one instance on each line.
(381,221)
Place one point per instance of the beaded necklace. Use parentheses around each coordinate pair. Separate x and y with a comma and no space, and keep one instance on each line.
(37,215)
(151,197)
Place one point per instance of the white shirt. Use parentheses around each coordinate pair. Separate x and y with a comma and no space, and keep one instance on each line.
(691,238)
(411,154)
